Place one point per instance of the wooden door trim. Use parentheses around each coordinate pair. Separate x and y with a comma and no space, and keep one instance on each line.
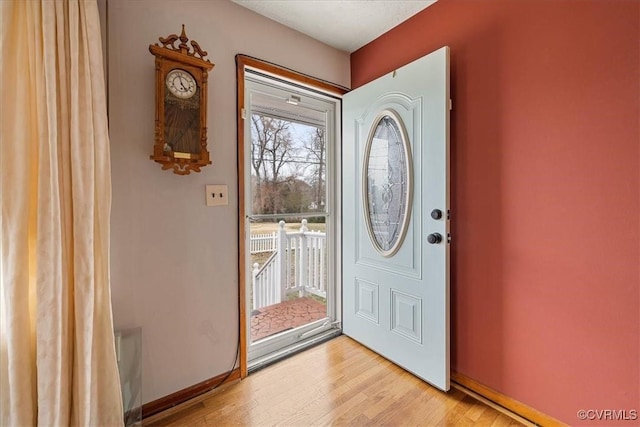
(242,62)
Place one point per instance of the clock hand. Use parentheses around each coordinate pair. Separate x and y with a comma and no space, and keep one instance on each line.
(184,88)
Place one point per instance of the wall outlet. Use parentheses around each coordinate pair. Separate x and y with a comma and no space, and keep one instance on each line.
(217,195)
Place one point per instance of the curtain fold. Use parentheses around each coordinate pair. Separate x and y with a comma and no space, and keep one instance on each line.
(57,354)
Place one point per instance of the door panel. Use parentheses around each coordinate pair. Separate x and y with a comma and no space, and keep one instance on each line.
(407,259)
(396,300)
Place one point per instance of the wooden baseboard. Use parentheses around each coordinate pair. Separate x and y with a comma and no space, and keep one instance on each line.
(518,408)
(188,394)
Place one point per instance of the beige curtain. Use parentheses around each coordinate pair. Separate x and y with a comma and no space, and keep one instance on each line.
(57,356)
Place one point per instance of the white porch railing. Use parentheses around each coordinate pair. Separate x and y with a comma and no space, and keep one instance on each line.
(297,266)
(260,243)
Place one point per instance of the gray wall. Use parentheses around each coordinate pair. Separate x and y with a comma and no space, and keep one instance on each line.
(174,260)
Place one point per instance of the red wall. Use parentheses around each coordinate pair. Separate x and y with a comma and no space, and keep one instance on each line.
(545,193)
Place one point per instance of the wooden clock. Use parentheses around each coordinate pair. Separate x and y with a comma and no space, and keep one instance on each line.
(181,104)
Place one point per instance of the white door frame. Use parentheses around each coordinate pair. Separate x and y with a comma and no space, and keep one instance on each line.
(306,83)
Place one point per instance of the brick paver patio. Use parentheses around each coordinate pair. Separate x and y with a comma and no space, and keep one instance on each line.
(276,318)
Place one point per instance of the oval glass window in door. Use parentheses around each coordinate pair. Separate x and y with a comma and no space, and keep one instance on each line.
(387,183)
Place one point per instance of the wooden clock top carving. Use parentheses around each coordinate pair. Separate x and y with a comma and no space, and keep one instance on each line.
(183,48)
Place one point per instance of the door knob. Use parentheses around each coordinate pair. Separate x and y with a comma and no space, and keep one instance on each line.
(436,214)
(434,238)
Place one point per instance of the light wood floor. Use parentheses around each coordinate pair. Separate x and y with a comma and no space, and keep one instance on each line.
(336,383)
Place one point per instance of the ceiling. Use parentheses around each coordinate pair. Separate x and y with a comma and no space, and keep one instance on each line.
(344,24)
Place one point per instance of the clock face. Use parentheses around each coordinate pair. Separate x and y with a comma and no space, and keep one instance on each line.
(180,83)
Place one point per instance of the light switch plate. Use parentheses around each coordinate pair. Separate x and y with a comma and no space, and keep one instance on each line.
(217,195)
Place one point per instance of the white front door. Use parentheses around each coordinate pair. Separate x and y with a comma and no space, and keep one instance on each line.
(396,216)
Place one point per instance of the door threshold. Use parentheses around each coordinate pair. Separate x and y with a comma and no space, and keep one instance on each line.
(276,356)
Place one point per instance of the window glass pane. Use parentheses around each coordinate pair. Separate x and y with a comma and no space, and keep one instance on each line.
(288,166)
(289,271)
(387,185)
